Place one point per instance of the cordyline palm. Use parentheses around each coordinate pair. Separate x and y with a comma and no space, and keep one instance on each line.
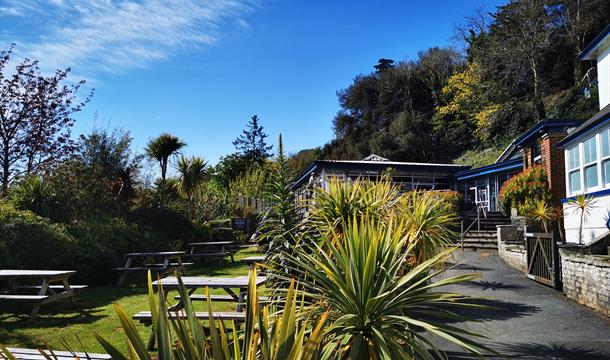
(543,213)
(428,224)
(375,312)
(162,148)
(191,175)
(584,205)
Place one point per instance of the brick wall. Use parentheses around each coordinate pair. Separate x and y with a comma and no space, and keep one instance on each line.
(553,161)
(586,279)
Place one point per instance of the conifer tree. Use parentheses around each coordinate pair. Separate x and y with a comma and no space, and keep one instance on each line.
(251,143)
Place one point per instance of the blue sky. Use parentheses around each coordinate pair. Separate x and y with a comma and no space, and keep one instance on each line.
(200,69)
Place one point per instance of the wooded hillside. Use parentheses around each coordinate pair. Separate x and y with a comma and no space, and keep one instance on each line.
(518,66)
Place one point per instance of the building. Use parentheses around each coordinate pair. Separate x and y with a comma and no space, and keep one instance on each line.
(409,175)
(537,146)
(587,154)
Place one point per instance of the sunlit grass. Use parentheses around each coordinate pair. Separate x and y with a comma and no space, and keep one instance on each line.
(60,322)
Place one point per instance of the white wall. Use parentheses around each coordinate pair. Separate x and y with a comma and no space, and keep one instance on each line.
(593,226)
(603,77)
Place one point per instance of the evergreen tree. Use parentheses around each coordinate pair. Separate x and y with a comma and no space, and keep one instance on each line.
(251,143)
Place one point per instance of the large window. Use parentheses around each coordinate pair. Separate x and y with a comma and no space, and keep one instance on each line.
(590,163)
(574,169)
(605,156)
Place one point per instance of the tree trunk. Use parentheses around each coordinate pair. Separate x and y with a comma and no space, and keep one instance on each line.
(5,171)
(538,103)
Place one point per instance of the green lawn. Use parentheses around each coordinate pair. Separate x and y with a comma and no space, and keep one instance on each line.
(59,322)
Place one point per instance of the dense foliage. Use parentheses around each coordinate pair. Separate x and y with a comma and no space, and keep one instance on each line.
(519,66)
(519,191)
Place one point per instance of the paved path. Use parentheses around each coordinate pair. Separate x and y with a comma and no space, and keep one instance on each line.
(531,321)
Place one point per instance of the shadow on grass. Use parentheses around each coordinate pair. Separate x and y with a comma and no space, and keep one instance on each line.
(537,351)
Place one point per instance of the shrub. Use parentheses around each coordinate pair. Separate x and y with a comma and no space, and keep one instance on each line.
(161,228)
(100,245)
(32,242)
(36,195)
(529,184)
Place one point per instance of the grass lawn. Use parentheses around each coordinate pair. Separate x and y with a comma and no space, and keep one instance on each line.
(59,322)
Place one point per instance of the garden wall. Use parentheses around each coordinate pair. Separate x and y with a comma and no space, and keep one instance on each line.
(511,246)
(586,278)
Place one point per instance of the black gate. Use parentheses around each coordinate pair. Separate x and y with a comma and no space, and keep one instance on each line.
(542,259)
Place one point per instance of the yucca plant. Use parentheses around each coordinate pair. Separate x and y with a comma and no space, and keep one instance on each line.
(583,205)
(334,207)
(375,311)
(267,335)
(541,212)
(428,224)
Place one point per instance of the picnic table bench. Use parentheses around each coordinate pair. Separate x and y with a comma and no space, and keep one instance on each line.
(192,283)
(35,354)
(212,249)
(159,262)
(54,286)
(253,260)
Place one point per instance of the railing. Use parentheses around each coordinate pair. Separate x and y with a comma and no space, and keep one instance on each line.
(481,208)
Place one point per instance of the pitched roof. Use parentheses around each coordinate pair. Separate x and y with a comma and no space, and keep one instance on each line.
(589,52)
(599,119)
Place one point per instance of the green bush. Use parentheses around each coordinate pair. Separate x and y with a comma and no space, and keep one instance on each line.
(28,241)
(162,228)
(100,247)
(529,185)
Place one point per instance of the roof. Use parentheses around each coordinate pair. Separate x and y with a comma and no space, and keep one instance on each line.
(600,119)
(546,125)
(490,169)
(375,165)
(590,51)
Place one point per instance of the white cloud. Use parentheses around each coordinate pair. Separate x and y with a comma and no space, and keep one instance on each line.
(114,35)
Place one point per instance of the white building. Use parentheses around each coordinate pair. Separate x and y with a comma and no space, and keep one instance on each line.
(587,154)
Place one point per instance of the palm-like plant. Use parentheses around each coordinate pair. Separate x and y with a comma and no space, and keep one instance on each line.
(268,334)
(191,175)
(36,195)
(162,148)
(375,312)
(428,224)
(336,206)
(542,212)
(584,205)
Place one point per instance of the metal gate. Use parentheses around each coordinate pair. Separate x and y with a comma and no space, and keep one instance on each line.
(542,259)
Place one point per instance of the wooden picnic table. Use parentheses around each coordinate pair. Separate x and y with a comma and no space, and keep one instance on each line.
(253,260)
(192,283)
(35,354)
(52,285)
(158,262)
(211,249)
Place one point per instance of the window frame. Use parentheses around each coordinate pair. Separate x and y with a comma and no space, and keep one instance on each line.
(599,163)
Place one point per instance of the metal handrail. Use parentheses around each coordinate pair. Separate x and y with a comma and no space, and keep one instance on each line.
(480,208)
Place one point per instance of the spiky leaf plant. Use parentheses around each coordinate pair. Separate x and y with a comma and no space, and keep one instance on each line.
(428,224)
(375,312)
(268,334)
(584,206)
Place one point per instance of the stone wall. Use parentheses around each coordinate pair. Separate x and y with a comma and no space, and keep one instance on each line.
(511,246)
(586,278)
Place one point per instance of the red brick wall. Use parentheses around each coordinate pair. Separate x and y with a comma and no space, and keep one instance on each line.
(553,162)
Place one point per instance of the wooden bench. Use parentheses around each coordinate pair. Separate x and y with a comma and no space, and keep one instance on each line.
(33,354)
(52,287)
(146,318)
(220,298)
(24,297)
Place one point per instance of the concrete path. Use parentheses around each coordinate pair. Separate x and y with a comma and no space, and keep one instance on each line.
(531,320)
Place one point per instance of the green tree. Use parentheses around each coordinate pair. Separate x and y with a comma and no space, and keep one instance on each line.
(162,148)
(251,143)
(191,175)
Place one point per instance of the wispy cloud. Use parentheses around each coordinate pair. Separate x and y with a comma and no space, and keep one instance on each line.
(115,35)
